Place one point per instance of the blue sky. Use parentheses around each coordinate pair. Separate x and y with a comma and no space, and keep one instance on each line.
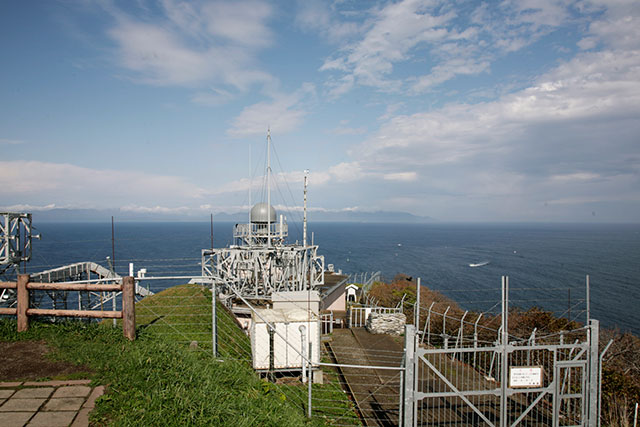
(459,110)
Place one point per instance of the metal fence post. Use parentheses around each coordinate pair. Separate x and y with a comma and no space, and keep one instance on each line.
(427,325)
(409,383)
(594,379)
(303,346)
(270,374)
(505,357)
(416,307)
(23,302)
(310,379)
(214,321)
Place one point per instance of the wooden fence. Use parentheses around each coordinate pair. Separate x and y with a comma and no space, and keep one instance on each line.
(22,310)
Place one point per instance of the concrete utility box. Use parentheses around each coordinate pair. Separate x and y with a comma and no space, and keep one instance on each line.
(296,300)
(286,340)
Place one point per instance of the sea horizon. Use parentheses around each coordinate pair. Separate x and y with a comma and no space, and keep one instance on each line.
(547,263)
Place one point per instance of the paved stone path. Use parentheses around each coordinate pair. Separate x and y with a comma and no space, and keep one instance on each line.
(48,403)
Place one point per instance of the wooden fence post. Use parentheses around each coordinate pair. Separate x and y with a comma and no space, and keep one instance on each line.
(23,302)
(128,308)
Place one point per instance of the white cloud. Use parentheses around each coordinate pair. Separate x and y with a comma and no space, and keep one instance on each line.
(213,97)
(241,22)
(619,26)
(198,43)
(346,130)
(448,42)
(400,176)
(282,114)
(6,141)
(319,15)
(447,70)
(346,171)
(578,176)
(572,135)
(156,209)
(28,208)
(36,180)
(317,178)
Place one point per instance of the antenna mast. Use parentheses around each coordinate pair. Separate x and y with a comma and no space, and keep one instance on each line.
(268,187)
(304,219)
(250,188)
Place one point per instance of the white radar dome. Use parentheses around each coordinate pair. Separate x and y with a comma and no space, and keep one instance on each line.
(260,213)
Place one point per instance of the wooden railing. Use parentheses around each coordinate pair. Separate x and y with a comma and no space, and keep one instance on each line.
(22,310)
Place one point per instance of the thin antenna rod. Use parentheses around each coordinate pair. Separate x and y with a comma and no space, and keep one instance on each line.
(250,188)
(113,266)
(113,246)
(304,219)
(268,187)
(212,232)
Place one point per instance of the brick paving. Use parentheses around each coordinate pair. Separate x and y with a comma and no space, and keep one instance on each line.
(49,403)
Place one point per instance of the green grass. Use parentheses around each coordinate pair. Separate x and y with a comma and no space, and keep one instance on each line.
(154,381)
(158,380)
(329,402)
(183,314)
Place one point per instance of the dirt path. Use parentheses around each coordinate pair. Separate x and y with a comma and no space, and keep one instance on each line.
(376,391)
(27,360)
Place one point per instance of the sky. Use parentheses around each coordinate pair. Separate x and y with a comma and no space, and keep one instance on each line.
(457,110)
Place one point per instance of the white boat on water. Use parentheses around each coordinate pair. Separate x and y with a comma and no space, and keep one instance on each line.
(480,264)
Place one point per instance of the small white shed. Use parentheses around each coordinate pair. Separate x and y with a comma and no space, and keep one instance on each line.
(287,339)
(352,293)
(287,300)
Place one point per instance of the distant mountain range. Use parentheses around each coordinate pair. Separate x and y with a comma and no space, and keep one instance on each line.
(104,215)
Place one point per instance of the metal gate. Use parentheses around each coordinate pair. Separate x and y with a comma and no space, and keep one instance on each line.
(546,381)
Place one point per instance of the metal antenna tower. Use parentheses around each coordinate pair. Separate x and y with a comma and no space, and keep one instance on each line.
(260,261)
(15,245)
(15,240)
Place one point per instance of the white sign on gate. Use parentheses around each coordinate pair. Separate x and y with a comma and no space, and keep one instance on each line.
(525,376)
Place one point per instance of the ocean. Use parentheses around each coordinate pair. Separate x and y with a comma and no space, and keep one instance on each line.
(547,264)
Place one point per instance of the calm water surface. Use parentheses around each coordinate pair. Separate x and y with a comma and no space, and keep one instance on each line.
(546,263)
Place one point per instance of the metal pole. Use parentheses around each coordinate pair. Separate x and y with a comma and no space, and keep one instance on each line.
(594,326)
(635,416)
(445,336)
(504,344)
(475,338)
(303,343)
(401,400)
(310,379)
(304,219)
(588,300)
(409,350)
(268,188)
(416,308)
(271,354)
(214,322)
(250,188)
(113,264)
(429,325)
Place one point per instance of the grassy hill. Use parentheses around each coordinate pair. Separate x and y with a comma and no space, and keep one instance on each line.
(159,380)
